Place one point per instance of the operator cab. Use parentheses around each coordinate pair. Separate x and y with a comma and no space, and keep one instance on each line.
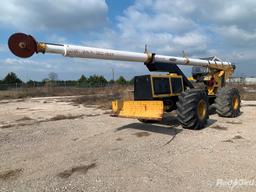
(196,70)
(199,72)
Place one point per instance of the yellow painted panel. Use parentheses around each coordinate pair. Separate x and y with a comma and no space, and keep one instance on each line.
(152,110)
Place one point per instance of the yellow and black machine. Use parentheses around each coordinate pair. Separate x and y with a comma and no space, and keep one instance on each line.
(156,94)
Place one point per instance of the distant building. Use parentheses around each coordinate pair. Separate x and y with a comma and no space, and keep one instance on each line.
(250,80)
(245,80)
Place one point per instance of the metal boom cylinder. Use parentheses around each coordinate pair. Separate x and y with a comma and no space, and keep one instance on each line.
(23,45)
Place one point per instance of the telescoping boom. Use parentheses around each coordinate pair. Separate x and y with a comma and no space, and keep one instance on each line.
(24,46)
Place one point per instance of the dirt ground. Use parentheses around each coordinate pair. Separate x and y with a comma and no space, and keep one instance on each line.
(54,144)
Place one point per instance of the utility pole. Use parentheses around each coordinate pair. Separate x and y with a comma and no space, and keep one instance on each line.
(113,73)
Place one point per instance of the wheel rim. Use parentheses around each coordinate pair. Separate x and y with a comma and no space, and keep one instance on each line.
(235,102)
(201,109)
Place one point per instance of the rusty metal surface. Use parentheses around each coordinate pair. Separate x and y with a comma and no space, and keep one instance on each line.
(22,45)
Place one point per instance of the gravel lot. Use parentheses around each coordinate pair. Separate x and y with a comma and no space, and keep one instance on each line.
(52,144)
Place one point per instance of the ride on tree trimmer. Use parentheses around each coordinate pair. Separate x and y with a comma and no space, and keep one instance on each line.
(156,94)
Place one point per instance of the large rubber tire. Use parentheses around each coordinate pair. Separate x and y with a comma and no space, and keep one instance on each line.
(192,109)
(228,102)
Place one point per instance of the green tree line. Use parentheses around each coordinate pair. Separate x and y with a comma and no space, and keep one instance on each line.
(93,80)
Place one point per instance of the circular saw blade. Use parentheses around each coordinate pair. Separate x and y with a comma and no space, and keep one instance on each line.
(22,45)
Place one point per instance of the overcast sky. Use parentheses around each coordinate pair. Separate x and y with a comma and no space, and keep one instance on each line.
(201,28)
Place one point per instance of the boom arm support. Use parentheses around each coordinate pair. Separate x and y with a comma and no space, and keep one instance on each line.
(24,46)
